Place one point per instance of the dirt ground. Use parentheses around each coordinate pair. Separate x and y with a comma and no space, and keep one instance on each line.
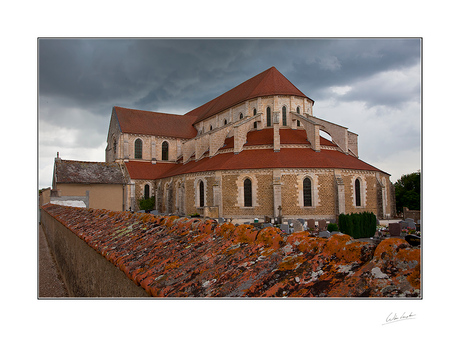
(50,284)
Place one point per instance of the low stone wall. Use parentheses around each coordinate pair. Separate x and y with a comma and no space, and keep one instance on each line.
(113,254)
(412,214)
(85,272)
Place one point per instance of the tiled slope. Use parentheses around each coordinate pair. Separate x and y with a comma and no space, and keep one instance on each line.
(177,257)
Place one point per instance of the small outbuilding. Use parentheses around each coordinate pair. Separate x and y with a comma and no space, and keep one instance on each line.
(98,185)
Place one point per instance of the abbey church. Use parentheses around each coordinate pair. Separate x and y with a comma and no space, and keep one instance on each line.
(254,151)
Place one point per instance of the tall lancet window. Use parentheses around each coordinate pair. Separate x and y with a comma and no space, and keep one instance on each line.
(284,116)
(247,193)
(138,149)
(358,192)
(165,151)
(307,192)
(269,116)
(201,192)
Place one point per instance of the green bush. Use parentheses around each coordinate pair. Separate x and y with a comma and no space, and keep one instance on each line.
(147,203)
(332,227)
(358,225)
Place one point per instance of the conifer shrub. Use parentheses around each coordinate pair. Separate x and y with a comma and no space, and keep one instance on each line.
(358,225)
(147,204)
(333,227)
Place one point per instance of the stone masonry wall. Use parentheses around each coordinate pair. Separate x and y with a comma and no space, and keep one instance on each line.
(85,272)
(113,254)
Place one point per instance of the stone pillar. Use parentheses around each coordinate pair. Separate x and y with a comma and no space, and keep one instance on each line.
(125,149)
(276,192)
(153,151)
(340,194)
(217,193)
(276,132)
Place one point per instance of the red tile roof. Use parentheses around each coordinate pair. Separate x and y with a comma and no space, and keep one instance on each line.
(268,83)
(147,170)
(287,136)
(179,257)
(267,158)
(155,123)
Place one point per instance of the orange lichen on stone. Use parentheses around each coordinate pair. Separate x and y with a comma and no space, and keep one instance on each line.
(291,262)
(225,230)
(270,237)
(387,249)
(175,257)
(245,234)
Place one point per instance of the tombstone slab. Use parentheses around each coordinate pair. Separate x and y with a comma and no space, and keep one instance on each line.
(298,227)
(394,229)
(324,234)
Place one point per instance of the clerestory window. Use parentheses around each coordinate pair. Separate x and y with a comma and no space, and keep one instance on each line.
(165,151)
(138,149)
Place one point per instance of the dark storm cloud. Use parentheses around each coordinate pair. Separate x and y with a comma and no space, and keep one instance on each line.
(153,72)
(80,80)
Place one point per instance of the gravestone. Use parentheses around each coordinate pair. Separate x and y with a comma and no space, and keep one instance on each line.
(298,227)
(411,224)
(322,225)
(311,224)
(285,228)
(413,240)
(324,234)
(403,224)
(394,229)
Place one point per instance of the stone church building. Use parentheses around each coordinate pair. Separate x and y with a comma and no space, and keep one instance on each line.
(254,151)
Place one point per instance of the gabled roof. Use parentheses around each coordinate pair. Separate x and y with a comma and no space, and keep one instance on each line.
(155,123)
(84,172)
(268,83)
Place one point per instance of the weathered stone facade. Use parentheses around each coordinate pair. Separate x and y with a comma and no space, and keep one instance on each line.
(251,156)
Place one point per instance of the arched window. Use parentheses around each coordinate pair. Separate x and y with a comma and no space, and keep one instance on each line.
(225,122)
(358,192)
(269,116)
(146,191)
(201,191)
(298,110)
(210,128)
(241,115)
(254,112)
(307,201)
(247,193)
(138,149)
(165,151)
(115,147)
(284,116)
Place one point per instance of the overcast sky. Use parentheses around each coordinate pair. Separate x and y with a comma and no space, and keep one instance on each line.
(371,86)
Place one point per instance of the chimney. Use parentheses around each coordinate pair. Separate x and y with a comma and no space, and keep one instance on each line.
(57,157)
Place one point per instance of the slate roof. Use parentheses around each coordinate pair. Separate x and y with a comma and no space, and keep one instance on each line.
(180,257)
(84,172)
(155,123)
(268,83)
